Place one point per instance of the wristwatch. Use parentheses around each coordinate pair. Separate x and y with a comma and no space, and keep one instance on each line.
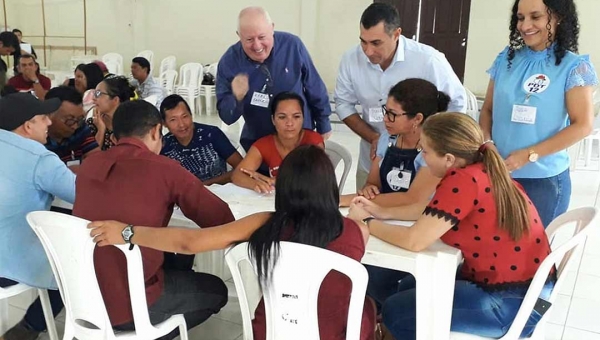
(127,233)
(366,220)
(533,156)
(37,81)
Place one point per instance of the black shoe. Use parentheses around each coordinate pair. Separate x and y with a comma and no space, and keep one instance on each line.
(20,331)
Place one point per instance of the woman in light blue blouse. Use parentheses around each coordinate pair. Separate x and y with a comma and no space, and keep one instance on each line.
(539,100)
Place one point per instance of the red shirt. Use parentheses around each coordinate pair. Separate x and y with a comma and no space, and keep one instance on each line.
(19,83)
(270,155)
(491,258)
(131,184)
(334,295)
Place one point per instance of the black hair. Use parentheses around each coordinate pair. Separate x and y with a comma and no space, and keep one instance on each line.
(65,94)
(170,102)
(287,95)
(8,89)
(15,30)
(306,200)
(27,56)
(419,96)
(566,35)
(79,67)
(93,75)
(118,86)
(10,39)
(143,62)
(135,119)
(378,12)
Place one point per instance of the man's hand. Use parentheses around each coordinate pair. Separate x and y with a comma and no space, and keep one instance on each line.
(374,147)
(107,232)
(30,75)
(240,86)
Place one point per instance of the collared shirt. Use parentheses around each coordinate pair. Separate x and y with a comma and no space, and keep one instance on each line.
(150,87)
(19,82)
(205,156)
(288,68)
(30,177)
(73,148)
(129,183)
(360,82)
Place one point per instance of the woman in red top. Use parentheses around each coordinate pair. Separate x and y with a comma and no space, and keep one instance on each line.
(288,116)
(306,211)
(479,209)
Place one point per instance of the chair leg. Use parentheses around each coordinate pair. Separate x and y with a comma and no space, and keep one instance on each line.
(183,334)
(48,315)
(3,316)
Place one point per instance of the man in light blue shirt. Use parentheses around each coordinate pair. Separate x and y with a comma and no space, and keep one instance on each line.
(30,177)
(367,72)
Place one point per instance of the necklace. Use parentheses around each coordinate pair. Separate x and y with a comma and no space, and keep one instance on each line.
(417,146)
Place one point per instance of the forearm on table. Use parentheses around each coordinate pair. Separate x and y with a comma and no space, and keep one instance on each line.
(409,212)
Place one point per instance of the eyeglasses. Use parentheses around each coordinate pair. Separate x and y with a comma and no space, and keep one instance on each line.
(72,121)
(98,94)
(391,115)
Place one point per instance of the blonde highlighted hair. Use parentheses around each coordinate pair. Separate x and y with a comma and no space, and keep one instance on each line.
(459,135)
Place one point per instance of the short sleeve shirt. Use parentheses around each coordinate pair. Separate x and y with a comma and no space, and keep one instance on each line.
(491,257)
(73,148)
(206,155)
(270,155)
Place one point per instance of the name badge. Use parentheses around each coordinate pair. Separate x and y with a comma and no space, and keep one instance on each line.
(260,99)
(523,114)
(75,162)
(376,114)
(399,179)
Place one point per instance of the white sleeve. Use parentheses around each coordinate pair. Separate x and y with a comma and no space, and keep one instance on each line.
(442,75)
(345,95)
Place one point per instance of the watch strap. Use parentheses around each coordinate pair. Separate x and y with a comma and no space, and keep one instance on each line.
(366,220)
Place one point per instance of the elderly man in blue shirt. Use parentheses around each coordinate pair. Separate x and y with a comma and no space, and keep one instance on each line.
(262,64)
(30,177)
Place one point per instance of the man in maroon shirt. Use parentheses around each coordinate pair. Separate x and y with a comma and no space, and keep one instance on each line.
(29,78)
(132,183)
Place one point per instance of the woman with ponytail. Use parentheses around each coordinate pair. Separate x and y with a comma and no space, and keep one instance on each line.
(109,94)
(478,209)
(398,175)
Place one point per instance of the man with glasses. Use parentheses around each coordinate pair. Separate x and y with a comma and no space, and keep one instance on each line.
(367,73)
(68,136)
(261,65)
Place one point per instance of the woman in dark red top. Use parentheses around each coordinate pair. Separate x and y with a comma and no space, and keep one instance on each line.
(288,116)
(479,209)
(306,211)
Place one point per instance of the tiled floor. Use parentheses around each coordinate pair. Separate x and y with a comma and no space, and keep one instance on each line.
(574,316)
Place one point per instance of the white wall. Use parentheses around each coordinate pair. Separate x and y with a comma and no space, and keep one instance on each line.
(488,35)
(201,30)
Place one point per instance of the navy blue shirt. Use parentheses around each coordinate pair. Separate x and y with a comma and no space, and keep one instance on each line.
(75,147)
(288,68)
(205,156)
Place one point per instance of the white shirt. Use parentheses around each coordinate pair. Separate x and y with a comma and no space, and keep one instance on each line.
(150,87)
(360,82)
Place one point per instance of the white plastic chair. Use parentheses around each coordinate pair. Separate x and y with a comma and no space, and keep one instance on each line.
(299,272)
(234,133)
(337,153)
(70,250)
(151,99)
(149,55)
(190,78)
(472,106)
(167,81)
(168,63)
(588,142)
(113,59)
(561,256)
(20,288)
(209,91)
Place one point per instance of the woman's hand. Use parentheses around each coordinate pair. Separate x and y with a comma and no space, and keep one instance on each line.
(99,120)
(517,159)
(369,191)
(358,212)
(345,200)
(370,207)
(107,232)
(263,184)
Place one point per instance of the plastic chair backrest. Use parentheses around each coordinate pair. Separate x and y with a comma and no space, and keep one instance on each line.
(168,79)
(70,250)
(149,55)
(472,105)
(168,63)
(212,69)
(113,67)
(114,58)
(190,74)
(291,297)
(337,153)
(560,256)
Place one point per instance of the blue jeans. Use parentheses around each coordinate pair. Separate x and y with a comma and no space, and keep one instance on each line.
(474,311)
(550,196)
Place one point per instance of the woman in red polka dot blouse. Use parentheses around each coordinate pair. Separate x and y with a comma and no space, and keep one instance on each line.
(479,209)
